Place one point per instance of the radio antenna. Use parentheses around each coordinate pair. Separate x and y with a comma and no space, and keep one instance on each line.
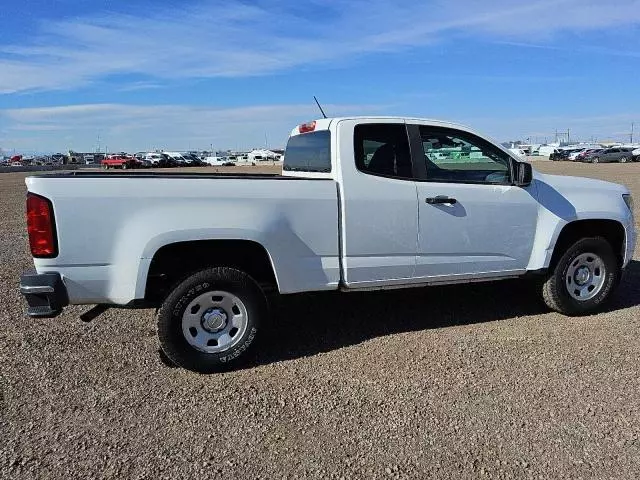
(318,103)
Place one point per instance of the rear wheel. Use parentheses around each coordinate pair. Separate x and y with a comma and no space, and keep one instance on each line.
(211,319)
(583,279)
(624,160)
(124,166)
(595,160)
(105,166)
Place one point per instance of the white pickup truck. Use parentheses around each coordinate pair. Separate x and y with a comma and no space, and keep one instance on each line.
(363,203)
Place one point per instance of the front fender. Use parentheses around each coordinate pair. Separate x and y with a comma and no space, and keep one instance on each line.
(562,202)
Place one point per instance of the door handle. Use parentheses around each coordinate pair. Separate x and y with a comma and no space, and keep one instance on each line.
(440,199)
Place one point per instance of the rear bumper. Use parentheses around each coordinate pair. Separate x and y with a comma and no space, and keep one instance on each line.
(45,294)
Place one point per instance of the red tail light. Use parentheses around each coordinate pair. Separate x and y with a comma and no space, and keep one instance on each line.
(307,127)
(41,227)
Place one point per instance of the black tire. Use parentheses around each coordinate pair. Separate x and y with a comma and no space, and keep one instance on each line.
(172,340)
(555,292)
(595,160)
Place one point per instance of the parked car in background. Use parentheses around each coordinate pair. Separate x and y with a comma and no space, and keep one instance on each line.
(565,154)
(219,162)
(178,158)
(153,158)
(573,156)
(159,160)
(167,161)
(581,156)
(120,161)
(558,154)
(193,160)
(636,154)
(609,155)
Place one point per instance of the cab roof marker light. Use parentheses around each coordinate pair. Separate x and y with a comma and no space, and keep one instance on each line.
(307,127)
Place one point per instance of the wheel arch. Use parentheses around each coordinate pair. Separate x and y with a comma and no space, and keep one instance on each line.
(174,261)
(611,230)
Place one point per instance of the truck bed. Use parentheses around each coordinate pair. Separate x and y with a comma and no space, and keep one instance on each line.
(110,225)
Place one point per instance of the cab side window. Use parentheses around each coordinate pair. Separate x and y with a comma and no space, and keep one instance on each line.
(383,150)
(459,157)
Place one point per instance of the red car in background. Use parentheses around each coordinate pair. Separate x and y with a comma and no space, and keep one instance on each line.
(584,154)
(119,161)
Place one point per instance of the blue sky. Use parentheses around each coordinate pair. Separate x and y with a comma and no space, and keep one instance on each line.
(190,74)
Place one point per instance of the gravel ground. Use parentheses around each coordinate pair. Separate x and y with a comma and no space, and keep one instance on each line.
(475,381)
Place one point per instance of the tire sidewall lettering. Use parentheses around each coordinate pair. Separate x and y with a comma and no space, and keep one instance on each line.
(187,297)
(239,350)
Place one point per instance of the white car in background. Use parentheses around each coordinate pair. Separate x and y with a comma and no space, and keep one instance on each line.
(153,158)
(219,161)
(636,154)
(574,155)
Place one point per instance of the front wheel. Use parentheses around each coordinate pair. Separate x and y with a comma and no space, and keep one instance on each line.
(624,160)
(595,160)
(211,319)
(583,279)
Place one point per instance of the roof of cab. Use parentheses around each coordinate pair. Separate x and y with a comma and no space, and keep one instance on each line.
(325,123)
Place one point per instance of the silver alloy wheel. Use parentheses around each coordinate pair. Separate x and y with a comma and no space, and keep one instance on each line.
(214,321)
(585,276)
(623,160)
(595,160)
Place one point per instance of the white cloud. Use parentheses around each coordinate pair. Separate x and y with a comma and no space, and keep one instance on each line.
(139,127)
(230,38)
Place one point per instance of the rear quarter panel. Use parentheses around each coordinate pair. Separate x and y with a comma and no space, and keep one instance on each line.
(110,228)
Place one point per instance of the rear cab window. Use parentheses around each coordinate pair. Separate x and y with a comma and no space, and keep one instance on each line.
(308,152)
(383,150)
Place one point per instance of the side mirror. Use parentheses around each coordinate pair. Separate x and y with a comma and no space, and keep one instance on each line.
(523,173)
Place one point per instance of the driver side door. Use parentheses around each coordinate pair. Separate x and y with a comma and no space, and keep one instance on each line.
(472,221)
